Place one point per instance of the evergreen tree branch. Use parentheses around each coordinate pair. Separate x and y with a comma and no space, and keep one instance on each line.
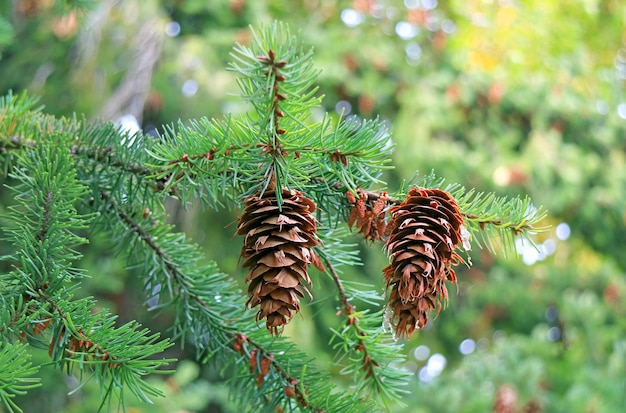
(46,193)
(174,275)
(206,160)
(277,78)
(366,351)
(14,318)
(275,146)
(492,221)
(286,379)
(13,109)
(16,374)
(262,363)
(211,315)
(107,156)
(117,356)
(208,306)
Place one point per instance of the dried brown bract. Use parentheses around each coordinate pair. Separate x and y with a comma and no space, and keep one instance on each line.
(368,214)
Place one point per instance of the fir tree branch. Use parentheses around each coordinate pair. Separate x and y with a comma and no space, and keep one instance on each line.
(277,79)
(492,221)
(173,271)
(13,110)
(16,374)
(217,160)
(261,361)
(118,356)
(223,320)
(286,379)
(219,315)
(372,367)
(207,160)
(107,156)
(13,316)
(47,190)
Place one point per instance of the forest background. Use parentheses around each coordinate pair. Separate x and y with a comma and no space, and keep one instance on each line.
(516,97)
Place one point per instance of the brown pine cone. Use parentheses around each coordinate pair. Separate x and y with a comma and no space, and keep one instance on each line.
(278,248)
(424,231)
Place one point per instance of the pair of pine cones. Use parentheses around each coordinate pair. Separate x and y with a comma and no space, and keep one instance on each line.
(421,236)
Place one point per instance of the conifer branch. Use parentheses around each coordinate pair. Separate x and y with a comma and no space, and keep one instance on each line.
(174,278)
(372,367)
(275,150)
(14,318)
(118,356)
(224,321)
(181,285)
(16,374)
(46,192)
(207,160)
(77,344)
(261,361)
(227,328)
(107,156)
(287,379)
(492,221)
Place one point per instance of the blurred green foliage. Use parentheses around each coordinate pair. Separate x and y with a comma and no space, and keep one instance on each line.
(512,96)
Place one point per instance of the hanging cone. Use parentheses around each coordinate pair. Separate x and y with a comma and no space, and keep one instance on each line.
(424,231)
(505,400)
(277,249)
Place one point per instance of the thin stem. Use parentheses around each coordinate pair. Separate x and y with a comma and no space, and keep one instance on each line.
(517,227)
(343,297)
(369,364)
(45,222)
(299,390)
(108,154)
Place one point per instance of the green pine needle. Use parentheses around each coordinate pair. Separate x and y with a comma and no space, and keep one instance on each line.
(16,374)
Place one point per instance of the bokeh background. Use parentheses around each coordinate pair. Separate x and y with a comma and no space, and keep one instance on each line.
(517,97)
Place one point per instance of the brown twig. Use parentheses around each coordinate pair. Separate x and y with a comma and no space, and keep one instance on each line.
(348,309)
(343,297)
(292,386)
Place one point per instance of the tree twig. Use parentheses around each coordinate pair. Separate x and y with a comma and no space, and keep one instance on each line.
(369,364)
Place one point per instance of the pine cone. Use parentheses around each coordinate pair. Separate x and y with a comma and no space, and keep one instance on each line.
(424,231)
(277,249)
(505,400)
